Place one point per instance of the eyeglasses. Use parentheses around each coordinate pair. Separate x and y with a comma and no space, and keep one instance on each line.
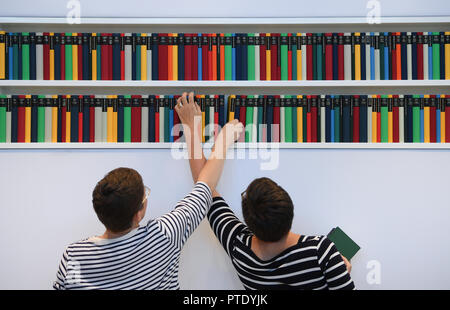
(146,193)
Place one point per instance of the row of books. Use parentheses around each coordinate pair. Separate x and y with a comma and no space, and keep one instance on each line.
(225,56)
(267,118)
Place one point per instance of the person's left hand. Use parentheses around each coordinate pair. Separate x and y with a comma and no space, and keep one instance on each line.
(189,111)
(347,264)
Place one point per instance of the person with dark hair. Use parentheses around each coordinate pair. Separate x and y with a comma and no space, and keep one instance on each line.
(129,256)
(264,251)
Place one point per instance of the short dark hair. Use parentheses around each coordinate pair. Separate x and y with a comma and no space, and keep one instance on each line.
(117,198)
(267,209)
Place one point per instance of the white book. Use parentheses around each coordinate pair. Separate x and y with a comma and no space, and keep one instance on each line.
(128,59)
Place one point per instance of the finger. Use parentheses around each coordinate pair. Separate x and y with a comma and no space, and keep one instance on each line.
(191,97)
(197,108)
(179,101)
(183,98)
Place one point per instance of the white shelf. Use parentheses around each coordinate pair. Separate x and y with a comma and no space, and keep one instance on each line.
(226,20)
(272,146)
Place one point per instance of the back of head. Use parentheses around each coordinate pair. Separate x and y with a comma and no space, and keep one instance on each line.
(117,198)
(267,209)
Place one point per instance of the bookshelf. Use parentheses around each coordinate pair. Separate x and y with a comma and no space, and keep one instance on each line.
(319,24)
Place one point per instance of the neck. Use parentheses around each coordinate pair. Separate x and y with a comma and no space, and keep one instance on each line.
(267,250)
(112,235)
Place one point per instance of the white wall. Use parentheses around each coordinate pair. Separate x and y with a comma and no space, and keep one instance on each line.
(394,203)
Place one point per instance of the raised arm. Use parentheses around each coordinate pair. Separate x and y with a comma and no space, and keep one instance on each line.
(207,171)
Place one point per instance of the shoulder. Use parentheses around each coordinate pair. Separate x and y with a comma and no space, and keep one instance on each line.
(319,242)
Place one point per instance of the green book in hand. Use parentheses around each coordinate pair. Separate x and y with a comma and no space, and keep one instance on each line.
(345,245)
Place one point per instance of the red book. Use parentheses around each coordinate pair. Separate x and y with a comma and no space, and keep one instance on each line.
(63,59)
(308,120)
(204,59)
(355,122)
(194,62)
(395,125)
(274,57)
(433,121)
(122,59)
(105,55)
(328,56)
(340,59)
(63,122)
(136,117)
(21,120)
(314,120)
(157,120)
(309,58)
(188,59)
(210,58)
(276,122)
(262,60)
(46,51)
(214,59)
(216,118)
(110,56)
(394,57)
(290,58)
(80,60)
(242,116)
(419,59)
(163,65)
(92,122)
(447,122)
(80,120)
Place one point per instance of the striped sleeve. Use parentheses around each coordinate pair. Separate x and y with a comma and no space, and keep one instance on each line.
(181,222)
(333,266)
(225,225)
(60,281)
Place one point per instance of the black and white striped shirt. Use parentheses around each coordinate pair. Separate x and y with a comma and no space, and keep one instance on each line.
(145,258)
(313,263)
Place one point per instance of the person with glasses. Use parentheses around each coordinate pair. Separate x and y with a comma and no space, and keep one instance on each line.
(130,256)
(264,251)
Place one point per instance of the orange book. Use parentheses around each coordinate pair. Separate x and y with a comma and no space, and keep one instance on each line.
(170,59)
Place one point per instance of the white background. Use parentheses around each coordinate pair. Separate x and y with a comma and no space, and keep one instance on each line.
(394,203)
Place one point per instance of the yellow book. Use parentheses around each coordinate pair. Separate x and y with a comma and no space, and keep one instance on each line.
(426,122)
(109,122)
(447,58)
(443,123)
(175,59)
(75,57)
(357,59)
(52,59)
(144,59)
(231,113)
(28,120)
(54,122)
(268,61)
(2,56)
(390,125)
(203,122)
(299,122)
(374,123)
(299,62)
(68,120)
(94,60)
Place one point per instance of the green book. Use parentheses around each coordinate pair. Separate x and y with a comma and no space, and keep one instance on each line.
(384,119)
(319,56)
(25,56)
(251,58)
(3,119)
(228,57)
(345,245)
(436,58)
(68,48)
(288,121)
(294,121)
(249,120)
(41,119)
(127,120)
(284,57)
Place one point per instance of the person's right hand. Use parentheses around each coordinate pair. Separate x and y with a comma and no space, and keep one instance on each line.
(188,111)
(229,134)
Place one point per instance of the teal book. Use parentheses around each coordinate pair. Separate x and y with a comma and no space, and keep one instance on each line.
(345,245)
